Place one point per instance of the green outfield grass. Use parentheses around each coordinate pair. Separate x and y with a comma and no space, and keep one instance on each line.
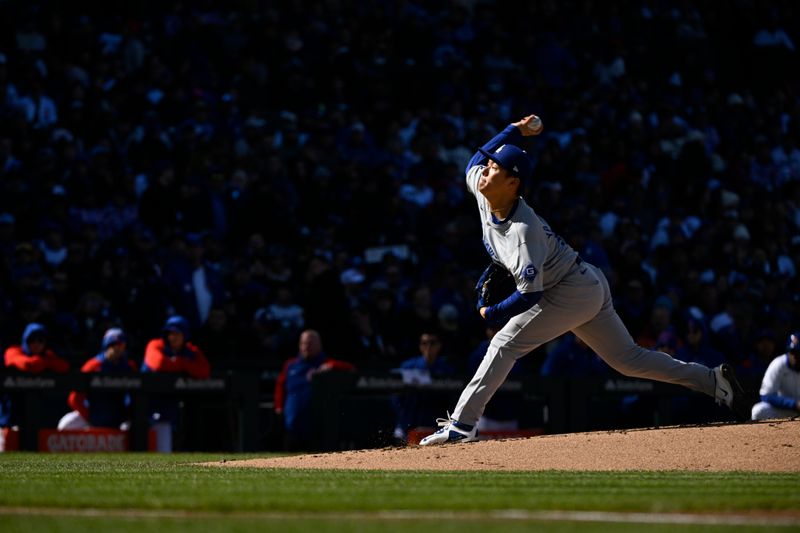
(43,492)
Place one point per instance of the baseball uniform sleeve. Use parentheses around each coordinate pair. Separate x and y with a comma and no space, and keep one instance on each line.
(510,134)
(92,365)
(157,361)
(531,253)
(16,358)
(781,402)
(497,315)
(77,401)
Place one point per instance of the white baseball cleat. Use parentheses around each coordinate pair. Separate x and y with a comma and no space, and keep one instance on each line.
(729,392)
(451,431)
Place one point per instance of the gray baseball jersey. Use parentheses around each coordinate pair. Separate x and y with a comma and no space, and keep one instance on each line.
(523,243)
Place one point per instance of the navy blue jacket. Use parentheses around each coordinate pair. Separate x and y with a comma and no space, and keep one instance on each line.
(104,408)
(293,390)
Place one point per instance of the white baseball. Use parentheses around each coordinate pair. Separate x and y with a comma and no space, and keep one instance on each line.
(535,124)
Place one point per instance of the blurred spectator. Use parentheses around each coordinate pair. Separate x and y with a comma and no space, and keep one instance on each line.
(386,317)
(287,315)
(293,389)
(780,387)
(195,284)
(760,353)
(667,342)
(93,316)
(102,408)
(572,357)
(731,328)
(263,338)
(420,315)
(367,348)
(660,321)
(32,356)
(413,407)
(172,353)
(222,342)
(632,305)
(352,280)
(456,344)
(695,344)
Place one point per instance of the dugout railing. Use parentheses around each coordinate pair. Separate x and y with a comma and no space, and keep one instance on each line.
(351,411)
(40,399)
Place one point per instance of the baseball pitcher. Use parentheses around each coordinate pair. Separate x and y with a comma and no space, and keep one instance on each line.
(555,292)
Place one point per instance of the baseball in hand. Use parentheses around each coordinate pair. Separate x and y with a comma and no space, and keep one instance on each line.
(535,124)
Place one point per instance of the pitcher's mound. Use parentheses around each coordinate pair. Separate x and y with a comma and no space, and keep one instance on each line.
(771,446)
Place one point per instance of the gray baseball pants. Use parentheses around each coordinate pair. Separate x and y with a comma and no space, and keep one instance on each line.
(581,303)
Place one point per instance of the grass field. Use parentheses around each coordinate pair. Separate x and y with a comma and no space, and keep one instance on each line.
(129,492)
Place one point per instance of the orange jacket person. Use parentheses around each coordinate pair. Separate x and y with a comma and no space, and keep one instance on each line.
(32,356)
(173,353)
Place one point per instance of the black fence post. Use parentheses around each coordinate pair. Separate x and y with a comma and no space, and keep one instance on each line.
(244,390)
(327,391)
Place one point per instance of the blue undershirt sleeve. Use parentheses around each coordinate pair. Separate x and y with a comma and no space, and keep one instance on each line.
(781,402)
(512,306)
(510,134)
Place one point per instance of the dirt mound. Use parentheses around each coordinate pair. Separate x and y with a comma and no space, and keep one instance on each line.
(772,446)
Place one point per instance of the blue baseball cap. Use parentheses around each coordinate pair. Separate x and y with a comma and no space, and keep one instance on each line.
(179,324)
(512,158)
(113,336)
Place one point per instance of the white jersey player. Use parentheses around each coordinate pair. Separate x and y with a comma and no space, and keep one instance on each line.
(780,387)
(556,292)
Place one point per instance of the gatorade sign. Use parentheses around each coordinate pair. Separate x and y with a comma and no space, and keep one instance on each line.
(90,440)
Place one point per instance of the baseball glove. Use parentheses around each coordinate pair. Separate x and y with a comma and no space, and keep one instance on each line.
(494,285)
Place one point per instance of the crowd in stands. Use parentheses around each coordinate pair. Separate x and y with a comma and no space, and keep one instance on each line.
(264,168)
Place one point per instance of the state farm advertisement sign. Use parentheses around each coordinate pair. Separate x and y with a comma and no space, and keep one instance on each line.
(90,440)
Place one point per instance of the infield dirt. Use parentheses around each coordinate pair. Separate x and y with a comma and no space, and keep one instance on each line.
(770,446)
